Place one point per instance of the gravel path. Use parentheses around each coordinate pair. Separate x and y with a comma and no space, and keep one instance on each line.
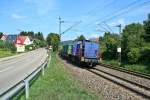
(106,89)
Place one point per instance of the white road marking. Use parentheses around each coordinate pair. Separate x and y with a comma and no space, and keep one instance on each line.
(8,68)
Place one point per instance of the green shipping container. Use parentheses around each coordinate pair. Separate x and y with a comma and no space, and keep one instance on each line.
(70,47)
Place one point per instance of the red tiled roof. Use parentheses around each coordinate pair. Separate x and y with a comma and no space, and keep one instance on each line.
(20,40)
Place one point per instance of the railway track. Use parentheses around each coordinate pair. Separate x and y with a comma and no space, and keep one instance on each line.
(142,75)
(138,78)
(133,85)
(135,82)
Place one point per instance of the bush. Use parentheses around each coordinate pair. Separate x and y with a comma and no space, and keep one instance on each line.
(145,55)
(42,44)
(7,45)
(29,47)
(133,55)
(39,43)
(13,48)
(2,44)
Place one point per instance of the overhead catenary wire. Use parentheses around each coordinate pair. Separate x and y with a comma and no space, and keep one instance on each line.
(121,11)
(77,23)
(104,22)
(126,11)
(108,27)
(99,6)
(103,28)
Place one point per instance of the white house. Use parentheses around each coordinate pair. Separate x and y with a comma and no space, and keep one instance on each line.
(21,42)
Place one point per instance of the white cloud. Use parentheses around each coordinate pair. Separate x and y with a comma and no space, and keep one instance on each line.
(121,21)
(17,16)
(79,33)
(94,35)
(143,10)
(140,11)
(117,22)
(42,6)
(86,19)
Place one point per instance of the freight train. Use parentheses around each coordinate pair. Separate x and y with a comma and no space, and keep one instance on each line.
(81,52)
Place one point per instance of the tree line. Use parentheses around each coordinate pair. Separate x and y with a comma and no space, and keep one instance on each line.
(134,41)
(37,38)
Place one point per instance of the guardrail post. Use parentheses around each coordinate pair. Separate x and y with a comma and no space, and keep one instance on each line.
(26,88)
(43,70)
(49,60)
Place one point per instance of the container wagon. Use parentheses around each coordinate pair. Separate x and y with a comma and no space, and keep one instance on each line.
(66,50)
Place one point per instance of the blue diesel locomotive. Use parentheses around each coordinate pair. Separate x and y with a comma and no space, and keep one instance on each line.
(82,52)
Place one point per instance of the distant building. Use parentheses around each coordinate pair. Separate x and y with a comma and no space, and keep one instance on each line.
(11,38)
(4,37)
(21,42)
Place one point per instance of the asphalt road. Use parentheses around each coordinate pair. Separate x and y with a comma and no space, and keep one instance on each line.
(15,69)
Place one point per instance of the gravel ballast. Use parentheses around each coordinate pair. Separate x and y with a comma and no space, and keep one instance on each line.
(143,81)
(106,89)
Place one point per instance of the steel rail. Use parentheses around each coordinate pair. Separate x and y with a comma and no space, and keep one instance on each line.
(142,75)
(137,84)
(126,85)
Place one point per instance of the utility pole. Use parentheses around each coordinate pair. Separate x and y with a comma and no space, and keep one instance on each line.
(120,26)
(119,49)
(60,22)
(59,25)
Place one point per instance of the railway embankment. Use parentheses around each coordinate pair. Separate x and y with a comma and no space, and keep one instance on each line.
(106,86)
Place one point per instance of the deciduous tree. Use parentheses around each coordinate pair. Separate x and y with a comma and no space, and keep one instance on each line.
(147,29)
(109,45)
(80,38)
(53,39)
(1,34)
(39,36)
(132,38)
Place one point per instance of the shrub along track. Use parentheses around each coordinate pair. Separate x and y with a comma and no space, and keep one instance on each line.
(107,85)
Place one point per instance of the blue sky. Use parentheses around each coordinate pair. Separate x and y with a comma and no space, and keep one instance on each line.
(42,15)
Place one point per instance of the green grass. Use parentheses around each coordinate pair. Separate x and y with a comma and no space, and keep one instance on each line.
(58,84)
(138,67)
(111,62)
(133,67)
(5,53)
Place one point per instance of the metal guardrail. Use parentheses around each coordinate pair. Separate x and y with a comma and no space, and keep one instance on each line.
(24,84)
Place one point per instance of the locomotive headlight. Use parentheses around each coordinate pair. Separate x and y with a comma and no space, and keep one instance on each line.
(82,58)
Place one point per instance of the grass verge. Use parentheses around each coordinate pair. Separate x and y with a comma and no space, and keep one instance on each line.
(57,84)
(5,53)
(133,67)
